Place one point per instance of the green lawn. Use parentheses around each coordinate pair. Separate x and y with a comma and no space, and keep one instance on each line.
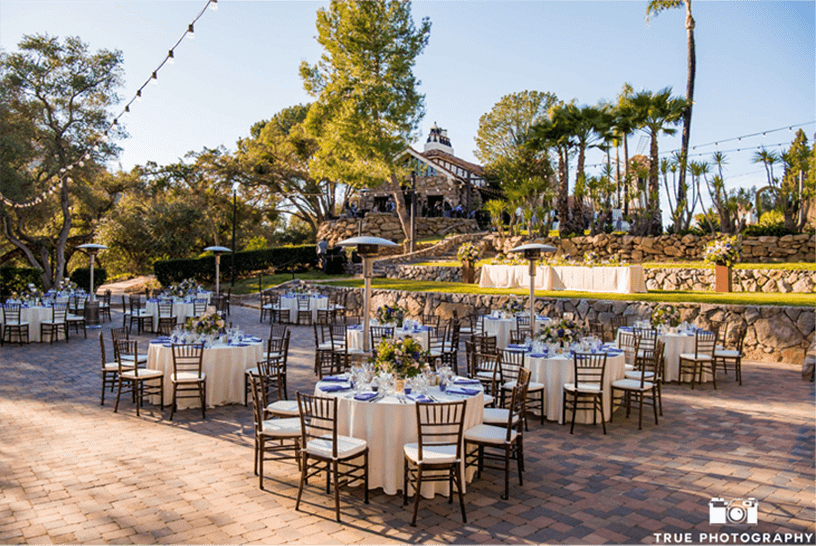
(733,298)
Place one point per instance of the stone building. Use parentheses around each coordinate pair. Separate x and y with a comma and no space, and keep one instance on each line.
(445,184)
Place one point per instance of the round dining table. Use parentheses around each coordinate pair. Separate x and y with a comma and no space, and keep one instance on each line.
(223,364)
(34,315)
(316,301)
(502,326)
(388,422)
(556,370)
(677,343)
(355,336)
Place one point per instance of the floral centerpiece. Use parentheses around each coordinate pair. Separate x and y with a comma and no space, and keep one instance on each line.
(723,251)
(513,306)
(503,259)
(31,293)
(67,285)
(208,324)
(404,358)
(590,259)
(300,289)
(565,331)
(665,314)
(391,314)
(467,253)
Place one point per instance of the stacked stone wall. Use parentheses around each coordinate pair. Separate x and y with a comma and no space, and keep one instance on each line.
(774,333)
(672,248)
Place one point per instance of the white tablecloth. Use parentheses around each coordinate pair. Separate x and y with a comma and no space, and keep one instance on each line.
(182,310)
(224,366)
(501,327)
(354,336)
(34,316)
(622,280)
(559,370)
(289,301)
(387,425)
(675,345)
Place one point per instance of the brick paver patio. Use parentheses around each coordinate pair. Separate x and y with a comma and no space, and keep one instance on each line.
(72,471)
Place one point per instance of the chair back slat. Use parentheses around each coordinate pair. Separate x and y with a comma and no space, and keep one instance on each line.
(318,419)
(126,348)
(511,363)
(187,358)
(58,312)
(440,424)
(589,368)
(704,343)
(199,306)
(11,313)
(646,338)
(484,343)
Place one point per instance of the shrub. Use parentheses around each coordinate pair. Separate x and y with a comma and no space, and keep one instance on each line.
(772,230)
(17,279)
(82,277)
(248,261)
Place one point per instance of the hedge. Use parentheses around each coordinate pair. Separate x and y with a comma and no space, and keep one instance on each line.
(16,279)
(82,277)
(248,261)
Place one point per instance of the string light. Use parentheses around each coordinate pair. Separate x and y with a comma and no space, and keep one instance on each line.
(103,138)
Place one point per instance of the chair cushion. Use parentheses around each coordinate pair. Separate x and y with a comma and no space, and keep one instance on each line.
(532,387)
(187,377)
(582,387)
(496,416)
(75,317)
(433,454)
(288,408)
(632,384)
(281,428)
(49,322)
(636,374)
(114,366)
(485,375)
(488,399)
(489,434)
(346,447)
(691,356)
(274,354)
(140,358)
(326,346)
(143,374)
(727,353)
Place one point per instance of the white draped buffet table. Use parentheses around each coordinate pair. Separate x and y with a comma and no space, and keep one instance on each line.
(622,280)
(387,425)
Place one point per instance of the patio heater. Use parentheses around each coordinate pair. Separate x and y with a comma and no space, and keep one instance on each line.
(533,252)
(92,306)
(367,248)
(217,250)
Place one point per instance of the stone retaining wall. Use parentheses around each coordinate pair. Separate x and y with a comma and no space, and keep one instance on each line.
(744,280)
(775,333)
(669,248)
(387,226)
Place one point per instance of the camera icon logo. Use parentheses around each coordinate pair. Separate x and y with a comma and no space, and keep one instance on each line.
(737,511)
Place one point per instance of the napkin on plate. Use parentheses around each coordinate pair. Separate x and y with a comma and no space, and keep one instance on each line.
(613,352)
(334,388)
(418,398)
(537,355)
(466,381)
(514,347)
(340,378)
(239,344)
(364,396)
(160,340)
(253,339)
(462,390)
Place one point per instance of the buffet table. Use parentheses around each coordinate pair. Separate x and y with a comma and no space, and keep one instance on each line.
(622,280)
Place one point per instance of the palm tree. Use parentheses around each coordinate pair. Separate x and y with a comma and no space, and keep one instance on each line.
(653,113)
(557,133)
(767,158)
(653,8)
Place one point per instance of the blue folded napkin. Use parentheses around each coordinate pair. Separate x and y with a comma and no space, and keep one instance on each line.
(338,378)
(239,344)
(160,340)
(334,388)
(537,355)
(253,339)
(152,300)
(462,390)
(625,328)
(364,396)
(613,352)
(418,398)
(168,345)
(465,381)
(514,347)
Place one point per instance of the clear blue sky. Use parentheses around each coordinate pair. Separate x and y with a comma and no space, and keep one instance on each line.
(755,65)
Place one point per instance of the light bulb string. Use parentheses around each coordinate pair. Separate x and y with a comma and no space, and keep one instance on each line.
(62,176)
